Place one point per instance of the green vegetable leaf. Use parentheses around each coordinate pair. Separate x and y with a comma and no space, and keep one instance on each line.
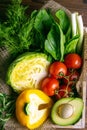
(64,21)
(68,34)
(62,41)
(71,45)
(43,22)
(51,43)
(54,43)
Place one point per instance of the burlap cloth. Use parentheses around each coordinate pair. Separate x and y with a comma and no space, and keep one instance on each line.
(13,124)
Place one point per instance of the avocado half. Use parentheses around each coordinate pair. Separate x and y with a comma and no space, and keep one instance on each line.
(67,111)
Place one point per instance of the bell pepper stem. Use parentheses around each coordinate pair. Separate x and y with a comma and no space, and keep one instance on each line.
(44,106)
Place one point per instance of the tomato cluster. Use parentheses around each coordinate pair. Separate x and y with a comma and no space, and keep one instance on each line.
(62,77)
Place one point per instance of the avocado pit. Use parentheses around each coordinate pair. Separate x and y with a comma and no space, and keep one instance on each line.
(65,110)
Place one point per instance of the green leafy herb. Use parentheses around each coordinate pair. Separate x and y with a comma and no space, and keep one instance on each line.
(10,29)
(7,108)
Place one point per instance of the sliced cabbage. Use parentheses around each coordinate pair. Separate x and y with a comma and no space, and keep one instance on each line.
(27,71)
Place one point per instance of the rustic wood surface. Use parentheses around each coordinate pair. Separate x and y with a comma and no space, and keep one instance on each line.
(72,5)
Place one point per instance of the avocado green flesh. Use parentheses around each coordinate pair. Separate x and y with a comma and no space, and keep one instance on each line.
(77,104)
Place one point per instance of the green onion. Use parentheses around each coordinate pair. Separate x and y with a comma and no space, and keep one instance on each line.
(77,28)
(81,32)
(74,23)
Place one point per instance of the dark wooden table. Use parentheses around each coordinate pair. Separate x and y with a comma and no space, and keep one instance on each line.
(72,5)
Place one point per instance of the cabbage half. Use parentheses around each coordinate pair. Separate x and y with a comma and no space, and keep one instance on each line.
(27,71)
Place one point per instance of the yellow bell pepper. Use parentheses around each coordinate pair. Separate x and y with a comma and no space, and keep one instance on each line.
(32,108)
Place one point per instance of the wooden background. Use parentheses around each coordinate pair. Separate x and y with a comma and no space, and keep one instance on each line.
(72,5)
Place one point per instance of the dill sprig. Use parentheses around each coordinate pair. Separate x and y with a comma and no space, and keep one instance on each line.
(10,29)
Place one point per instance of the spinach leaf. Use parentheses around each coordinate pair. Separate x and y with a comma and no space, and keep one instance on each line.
(64,21)
(71,45)
(68,34)
(62,41)
(50,43)
(54,43)
(43,22)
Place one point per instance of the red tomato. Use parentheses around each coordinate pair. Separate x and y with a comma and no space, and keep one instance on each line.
(71,77)
(58,69)
(50,85)
(73,61)
(64,91)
